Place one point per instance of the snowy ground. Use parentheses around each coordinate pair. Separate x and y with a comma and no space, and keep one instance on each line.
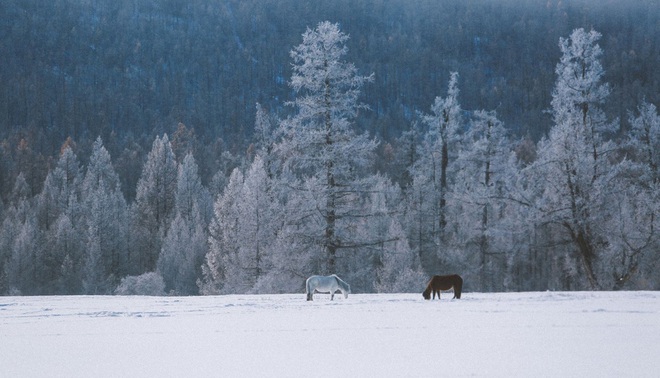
(547,334)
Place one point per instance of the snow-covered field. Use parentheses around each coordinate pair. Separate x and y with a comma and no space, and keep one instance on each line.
(540,334)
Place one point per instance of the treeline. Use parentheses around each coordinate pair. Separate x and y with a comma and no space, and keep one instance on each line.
(315,194)
(131,70)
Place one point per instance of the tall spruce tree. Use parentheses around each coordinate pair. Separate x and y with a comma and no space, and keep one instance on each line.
(319,144)
(486,173)
(154,204)
(106,216)
(573,159)
(431,174)
(184,247)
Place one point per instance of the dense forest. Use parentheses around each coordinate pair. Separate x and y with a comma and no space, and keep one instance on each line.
(209,147)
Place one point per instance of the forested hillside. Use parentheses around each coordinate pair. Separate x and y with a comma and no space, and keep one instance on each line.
(191,146)
(129,70)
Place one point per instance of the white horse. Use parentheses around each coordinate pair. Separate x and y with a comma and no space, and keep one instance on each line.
(326,284)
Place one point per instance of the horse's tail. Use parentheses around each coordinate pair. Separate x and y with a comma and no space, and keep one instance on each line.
(458,287)
(308,289)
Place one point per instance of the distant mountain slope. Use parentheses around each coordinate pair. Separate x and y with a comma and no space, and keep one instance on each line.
(81,69)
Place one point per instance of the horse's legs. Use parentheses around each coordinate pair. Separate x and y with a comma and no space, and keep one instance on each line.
(309,296)
(332,295)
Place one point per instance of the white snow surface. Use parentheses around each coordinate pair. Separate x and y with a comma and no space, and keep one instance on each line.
(532,334)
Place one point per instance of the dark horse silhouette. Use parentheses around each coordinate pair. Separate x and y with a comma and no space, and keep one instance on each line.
(444,283)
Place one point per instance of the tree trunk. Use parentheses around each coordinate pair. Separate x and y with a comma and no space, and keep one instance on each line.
(587,255)
(331,215)
(443,187)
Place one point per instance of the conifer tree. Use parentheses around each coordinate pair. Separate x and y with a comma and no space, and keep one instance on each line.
(432,179)
(154,204)
(184,247)
(486,173)
(318,143)
(106,216)
(573,159)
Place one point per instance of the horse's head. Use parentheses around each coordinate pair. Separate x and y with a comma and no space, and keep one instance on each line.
(427,294)
(347,291)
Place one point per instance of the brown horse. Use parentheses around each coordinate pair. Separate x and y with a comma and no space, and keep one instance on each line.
(444,283)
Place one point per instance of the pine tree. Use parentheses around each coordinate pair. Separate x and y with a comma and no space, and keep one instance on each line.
(645,140)
(190,192)
(265,141)
(386,251)
(400,271)
(573,158)
(59,201)
(444,126)
(184,247)
(257,225)
(432,179)
(154,203)
(67,245)
(632,233)
(94,278)
(106,216)
(486,174)
(182,254)
(219,269)
(18,213)
(318,143)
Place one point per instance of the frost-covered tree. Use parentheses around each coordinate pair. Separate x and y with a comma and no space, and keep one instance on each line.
(60,216)
(150,283)
(632,232)
(190,192)
(94,278)
(400,271)
(243,231)
(486,172)
(26,259)
(573,159)
(296,252)
(61,190)
(223,233)
(100,171)
(67,244)
(8,231)
(432,179)
(258,224)
(644,140)
(264,134)
(444,125)
(182,255)
(106,216)
(407,153)
(154,204)
(388,264)
(18,213)
(184,247)
(318,142)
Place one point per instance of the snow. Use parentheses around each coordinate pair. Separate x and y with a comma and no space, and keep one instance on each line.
(562,334)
